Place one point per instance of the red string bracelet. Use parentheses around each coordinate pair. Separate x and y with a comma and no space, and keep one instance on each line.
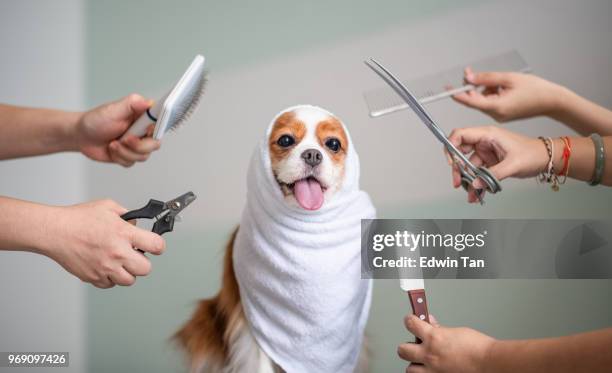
(567,153)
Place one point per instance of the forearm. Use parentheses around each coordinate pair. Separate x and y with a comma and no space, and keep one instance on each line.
(27,131)
(582,160)
(582,115)
(586,352)
(25,226)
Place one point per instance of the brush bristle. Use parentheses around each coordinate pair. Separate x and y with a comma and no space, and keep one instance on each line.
(189,104)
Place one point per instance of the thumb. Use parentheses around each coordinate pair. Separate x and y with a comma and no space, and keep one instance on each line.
(433,321)
(133,105)
(147,241)
(489,79)
(416,326)
(501,171)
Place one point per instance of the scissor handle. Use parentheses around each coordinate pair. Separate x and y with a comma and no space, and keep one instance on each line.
(151,210)
(493,185)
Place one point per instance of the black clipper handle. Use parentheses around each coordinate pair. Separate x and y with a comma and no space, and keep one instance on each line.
(163,225)
(151,210)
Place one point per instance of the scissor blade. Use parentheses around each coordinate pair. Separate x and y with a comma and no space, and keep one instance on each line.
(179,203)
(407,96)
(414,104)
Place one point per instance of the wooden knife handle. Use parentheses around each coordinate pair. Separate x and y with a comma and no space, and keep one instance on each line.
(418,302)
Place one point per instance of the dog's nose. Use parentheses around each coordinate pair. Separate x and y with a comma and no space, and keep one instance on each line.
(312,157)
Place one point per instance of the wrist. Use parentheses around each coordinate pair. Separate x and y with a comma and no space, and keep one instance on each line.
(29,227)
(487,358)
(49,231)
(562,99)
(71,130)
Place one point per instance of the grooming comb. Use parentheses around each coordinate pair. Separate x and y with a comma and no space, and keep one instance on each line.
(434,87)
(173,109)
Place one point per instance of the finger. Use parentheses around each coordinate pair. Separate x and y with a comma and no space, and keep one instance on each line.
(468,74)
(113,206)
(473,196)
(469,135)
(418,327)
(491,91)
(433,321)
(501,171)
(456,175)
(114,155)
(416,368)
(150,130)
(122,277)
(466,148)
(142,146)
(475,159)
(137,264)
(105,283)
(490,79)
(411,352)
(147,241)
(474,100)
(125,153)
(449,159)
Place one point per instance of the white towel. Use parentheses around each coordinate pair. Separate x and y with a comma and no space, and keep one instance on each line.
(299,271)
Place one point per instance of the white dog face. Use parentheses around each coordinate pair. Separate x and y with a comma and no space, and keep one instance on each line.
(308,148)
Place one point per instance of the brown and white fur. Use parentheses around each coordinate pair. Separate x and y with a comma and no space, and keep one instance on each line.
(217,337)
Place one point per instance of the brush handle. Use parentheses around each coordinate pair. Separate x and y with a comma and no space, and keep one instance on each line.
(140,126)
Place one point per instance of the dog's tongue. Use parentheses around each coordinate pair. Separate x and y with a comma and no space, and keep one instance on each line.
(308,193)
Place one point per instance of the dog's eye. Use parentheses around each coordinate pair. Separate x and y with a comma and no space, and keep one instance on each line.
(333,144)
(285,141)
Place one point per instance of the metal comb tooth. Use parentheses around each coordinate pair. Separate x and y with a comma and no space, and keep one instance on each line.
(384,101)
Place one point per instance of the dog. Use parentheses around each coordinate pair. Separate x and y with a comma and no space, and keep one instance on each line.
(306,155)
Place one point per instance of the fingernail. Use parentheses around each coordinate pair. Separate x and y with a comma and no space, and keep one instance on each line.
(477,184)
(113,145)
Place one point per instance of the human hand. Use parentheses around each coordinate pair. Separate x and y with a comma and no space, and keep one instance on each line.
(444,349)
(95,244)
(504,153)
(98,129)
(507,95)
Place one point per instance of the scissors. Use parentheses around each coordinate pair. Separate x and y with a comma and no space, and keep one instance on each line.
(469,172)
(165,213)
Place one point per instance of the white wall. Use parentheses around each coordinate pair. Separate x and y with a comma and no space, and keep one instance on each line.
(41,44)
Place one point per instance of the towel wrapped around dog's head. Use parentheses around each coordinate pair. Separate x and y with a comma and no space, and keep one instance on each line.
(298,264)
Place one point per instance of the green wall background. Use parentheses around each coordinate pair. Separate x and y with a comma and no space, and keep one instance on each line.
(128,43)
(125,37)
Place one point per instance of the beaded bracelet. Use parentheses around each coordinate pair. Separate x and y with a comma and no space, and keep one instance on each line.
(549,175)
